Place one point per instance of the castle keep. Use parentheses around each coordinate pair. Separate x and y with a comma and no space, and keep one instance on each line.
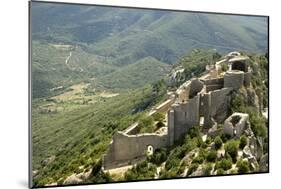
(200,101)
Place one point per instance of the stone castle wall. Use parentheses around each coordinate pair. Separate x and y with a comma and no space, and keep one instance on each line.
(207,98)
(185,116)
(125,148)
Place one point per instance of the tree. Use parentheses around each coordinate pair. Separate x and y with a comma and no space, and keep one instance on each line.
(243,142)
(159,156)
(220,172)
(243,166)
(212,156)
(224,164)
(225,137)
(194,131)
(218,142)
(231,148)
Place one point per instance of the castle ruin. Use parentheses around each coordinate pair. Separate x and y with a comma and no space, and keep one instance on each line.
(200,101)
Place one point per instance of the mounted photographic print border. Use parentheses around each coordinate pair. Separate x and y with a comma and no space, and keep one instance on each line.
(126,94)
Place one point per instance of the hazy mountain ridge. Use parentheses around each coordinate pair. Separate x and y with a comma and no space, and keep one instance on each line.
(165,35)
(103,39)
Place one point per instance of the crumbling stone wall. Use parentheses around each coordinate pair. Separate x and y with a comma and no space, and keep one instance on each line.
(213,84)
(185,116)
(209,98)
(247,79)
(196,87)
(214,106)
(235,124)
(240,65)
(234,79)
(126,148)
(220,101)
(164,107)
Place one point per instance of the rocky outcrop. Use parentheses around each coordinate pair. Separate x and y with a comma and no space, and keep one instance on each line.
(77,178)
(263,163)
(72,179)
(252,98)
(48,160)
(214,131)
(198,172)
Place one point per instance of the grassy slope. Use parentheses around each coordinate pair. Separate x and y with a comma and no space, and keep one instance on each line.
(49,68)
(146,70)
(81,132)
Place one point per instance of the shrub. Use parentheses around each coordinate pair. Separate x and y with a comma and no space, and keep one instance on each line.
(224,67)
(194,132)
(158,116)
(168,174)
(224,164)
(208,140)
(207,169)
(243,142)
(233,171)
(96,167)
(146,124)
(220,172)
(225,137)
(258,124)
(190,144)
(172,162)
(198,159)
(192,168)
(212,156)
(243,166)
(204,145)
(231,148)
(159,156)
(218,142)
(143,170)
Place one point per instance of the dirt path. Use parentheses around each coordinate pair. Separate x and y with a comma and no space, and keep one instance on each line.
(67,58)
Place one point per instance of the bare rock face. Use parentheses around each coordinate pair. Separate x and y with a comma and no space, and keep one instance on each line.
(247,152)
(72,179)
(253,146)
(84,175)
(188,158)
(263,163)
(222,112)
(52,184)
(198,172)
(214,131)
(77,178)
(252,98)
(35,173)
(48,160)
(260,150)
